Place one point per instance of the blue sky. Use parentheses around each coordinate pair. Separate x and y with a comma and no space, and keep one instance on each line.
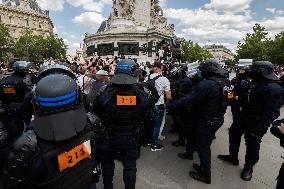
(203,21)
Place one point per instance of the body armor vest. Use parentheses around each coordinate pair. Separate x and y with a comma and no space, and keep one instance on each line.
(68,164)
(123,114)
(215,107)
(255,107)
(241,89)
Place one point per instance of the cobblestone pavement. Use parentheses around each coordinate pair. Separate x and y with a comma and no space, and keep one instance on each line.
(164,170)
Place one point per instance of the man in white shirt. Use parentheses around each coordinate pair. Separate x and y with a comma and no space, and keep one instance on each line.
(162,85)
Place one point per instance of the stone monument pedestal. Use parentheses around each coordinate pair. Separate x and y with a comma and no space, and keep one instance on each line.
(133,30)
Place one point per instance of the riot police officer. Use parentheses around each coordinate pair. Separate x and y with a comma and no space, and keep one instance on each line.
(262,108)
(58,150)
(181,86)
(277,130)
(123,107)
(212,103)
(13,89)
(241,88)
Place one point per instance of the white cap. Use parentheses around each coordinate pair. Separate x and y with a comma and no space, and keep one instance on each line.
(102,72)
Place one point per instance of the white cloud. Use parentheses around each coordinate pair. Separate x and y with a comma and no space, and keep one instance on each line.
(163,3)
(279,11)
(273,25)
(67,42)
(55,5)
(229,5)
(209,24)
(220,22)
(275,11)
(55,30)
(90,5)
(89,19)
(76,45)
(271,10)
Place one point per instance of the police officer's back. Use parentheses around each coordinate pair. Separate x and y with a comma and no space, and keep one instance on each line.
(210,103)
(58,151)
(263,107)
(122,106)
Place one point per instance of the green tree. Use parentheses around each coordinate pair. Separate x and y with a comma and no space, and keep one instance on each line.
(276,51)
(54,47)
(36,47)
(6,41)
(256,45)
(193,52)
(231,62)
(24,45)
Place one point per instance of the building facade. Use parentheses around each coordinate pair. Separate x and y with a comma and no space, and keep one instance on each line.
(220,52)
(134,29)
(19,15)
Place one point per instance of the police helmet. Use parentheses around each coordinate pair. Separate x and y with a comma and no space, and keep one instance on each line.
(213,67)
(264,69)
(22,66)
(59,113)
(126,73)
(52,69)
(242,71)
(178,72)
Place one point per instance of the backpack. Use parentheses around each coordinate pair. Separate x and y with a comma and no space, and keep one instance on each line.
(151,85)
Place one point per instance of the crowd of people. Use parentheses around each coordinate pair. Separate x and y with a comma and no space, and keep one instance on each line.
(63,124)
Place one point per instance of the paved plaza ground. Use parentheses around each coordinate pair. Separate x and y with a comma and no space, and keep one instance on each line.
(164,170)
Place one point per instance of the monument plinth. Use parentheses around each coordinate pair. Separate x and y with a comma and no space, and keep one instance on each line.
(133,29)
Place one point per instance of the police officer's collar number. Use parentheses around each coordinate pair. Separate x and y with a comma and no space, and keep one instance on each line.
(9,90)
(126,100)
(74,156)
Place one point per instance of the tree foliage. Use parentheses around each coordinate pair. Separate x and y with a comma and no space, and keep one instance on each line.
(6,41)
(36,47)
(276,51)
(193,52)
(30,46)
(258,46)
(23,47)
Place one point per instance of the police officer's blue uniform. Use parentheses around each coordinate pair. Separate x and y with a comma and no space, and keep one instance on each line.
(263,107)
(208,95)
(122,106)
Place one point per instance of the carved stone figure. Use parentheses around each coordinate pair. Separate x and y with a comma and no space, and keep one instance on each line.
(123,8)
(158,21)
